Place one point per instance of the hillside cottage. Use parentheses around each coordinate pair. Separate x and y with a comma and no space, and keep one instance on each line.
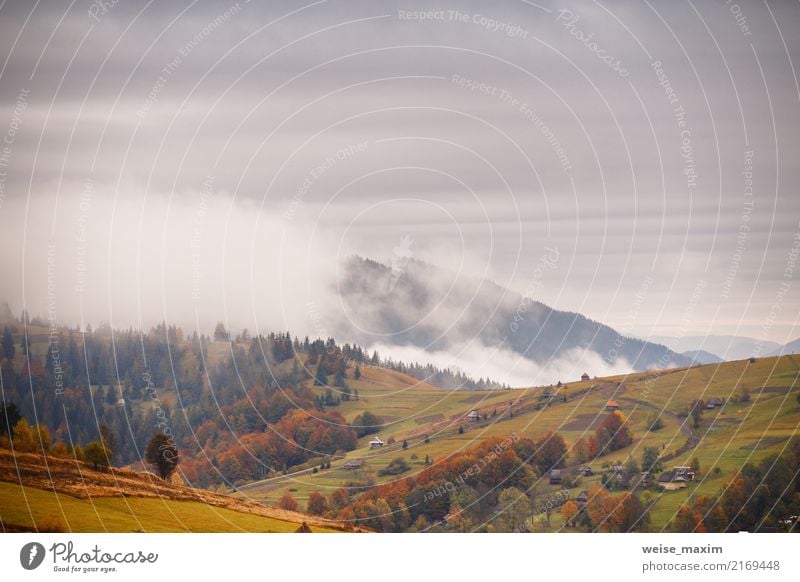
(584,376)
(613,405)
(474,415)
(376,443)
(555,477)
(672,481)
(353,464)
(582,498)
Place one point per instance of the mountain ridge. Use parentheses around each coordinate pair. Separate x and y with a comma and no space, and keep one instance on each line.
(435,309)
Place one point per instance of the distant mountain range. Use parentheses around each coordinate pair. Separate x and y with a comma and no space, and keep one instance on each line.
(703,357)
(725,347)
(417,304)
(793,347)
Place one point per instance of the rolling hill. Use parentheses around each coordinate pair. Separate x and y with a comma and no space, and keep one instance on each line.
(792,347)
(758,416)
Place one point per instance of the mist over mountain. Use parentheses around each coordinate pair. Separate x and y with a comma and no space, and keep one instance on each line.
(703,357)
(418,305)
(726,347)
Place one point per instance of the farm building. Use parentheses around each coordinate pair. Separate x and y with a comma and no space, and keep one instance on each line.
(353,464)
(586,471)
(376,443)
(584,376)
(583,497)
(474,415)
(713,403)
(555,477)
(684,472)
(613,405)
(672,481)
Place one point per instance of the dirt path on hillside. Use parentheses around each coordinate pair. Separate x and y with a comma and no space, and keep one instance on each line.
(692,439)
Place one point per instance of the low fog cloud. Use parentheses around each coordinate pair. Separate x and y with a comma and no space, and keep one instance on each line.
(503,365)
(100,256)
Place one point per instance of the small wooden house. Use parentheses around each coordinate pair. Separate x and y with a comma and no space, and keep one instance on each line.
(353,464)
(584,376)
(555,477)
(474,415)
(613,405)
(671,481)
(582,498)
(376,443)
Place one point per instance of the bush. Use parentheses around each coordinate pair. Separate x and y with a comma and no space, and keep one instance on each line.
(287,502)
(365,424)
(395,467)
(654,422)
(95,454)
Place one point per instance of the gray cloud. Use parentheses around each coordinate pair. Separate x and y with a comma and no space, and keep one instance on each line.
(256,107)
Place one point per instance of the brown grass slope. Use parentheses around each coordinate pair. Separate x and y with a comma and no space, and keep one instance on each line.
(77,479)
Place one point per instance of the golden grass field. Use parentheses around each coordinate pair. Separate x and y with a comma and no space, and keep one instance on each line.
(37,493)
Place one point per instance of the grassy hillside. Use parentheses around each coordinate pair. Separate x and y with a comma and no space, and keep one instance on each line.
(38,493)
(726,438)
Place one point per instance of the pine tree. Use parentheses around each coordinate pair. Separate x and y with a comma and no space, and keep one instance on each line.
(220,333)
(8,344)
(162,454)
(108,440)
(9,417)
(321,376)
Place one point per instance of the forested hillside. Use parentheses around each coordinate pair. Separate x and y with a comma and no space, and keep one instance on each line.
(239,408)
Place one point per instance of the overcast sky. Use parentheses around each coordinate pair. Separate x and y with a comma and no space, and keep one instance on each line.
(195,161)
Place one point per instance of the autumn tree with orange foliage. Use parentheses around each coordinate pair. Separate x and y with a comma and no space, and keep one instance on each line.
(687,520)
(287,502)
(338,499)
(600,509)
(550,453)
(613,433)
(568,512)
(621,513)
(317,505)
